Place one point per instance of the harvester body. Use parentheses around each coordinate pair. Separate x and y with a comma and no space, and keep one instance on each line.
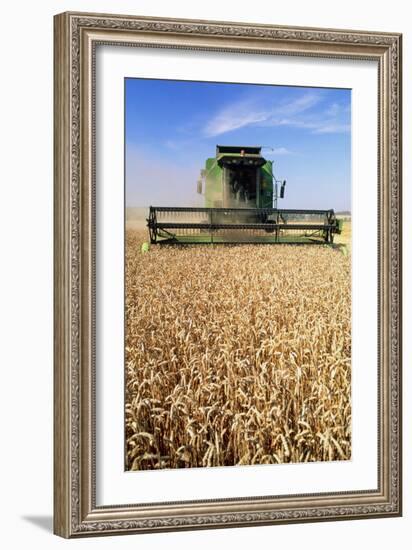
(240,205)
(238,177)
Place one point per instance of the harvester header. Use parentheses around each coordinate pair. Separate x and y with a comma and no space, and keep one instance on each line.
(240,205)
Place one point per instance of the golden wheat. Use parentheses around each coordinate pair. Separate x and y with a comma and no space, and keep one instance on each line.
(236,355)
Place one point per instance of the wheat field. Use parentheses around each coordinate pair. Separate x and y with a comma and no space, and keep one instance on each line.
(236,355)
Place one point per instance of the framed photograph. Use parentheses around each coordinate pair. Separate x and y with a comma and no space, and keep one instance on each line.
(227,274)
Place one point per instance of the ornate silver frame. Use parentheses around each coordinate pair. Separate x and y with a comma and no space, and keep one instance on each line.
(75,38)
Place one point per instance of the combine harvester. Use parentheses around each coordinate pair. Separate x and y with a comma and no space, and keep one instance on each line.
(240,195)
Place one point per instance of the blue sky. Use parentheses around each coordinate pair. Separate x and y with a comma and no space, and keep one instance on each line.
(171,127)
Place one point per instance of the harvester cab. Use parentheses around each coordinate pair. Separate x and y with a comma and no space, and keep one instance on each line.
(240,205)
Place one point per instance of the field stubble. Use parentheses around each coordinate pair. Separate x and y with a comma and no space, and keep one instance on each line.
(236,355)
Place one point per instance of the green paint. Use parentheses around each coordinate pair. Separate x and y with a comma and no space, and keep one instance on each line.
(214,175)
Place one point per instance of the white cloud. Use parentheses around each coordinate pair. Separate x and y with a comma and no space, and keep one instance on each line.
(332,129)
(297,113)
(171,144)
(277,151)
(249,113)
(299,105)
(333,110)
(234,117)
(179,145)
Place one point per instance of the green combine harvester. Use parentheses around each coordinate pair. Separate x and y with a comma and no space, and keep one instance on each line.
(240,197)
